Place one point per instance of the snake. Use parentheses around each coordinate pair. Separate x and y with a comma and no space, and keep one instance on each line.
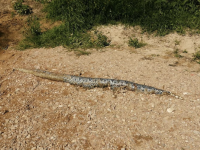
(89,83)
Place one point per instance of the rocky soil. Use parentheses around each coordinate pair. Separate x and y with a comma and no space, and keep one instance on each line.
(41,114)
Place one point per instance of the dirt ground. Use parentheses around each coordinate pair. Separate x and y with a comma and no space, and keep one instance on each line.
(41,114)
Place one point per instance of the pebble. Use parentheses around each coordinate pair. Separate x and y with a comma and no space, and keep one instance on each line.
(176,97)
(170,110)
(196,132)
(13,127)
(17,90)
(28,136)
(39,148)
(73,141)
(152,105)
(8,95)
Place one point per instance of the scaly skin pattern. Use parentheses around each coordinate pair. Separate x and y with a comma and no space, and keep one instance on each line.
(90,83)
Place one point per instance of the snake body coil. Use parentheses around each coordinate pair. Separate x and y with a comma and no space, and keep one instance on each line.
(87,82)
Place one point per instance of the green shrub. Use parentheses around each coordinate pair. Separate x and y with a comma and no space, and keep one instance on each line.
(101,40)
(163,16)
(59,35)
(32,33)
(22,9)
(176,53)
(185,51)
(196,56)
(78,16)
(43,1)
(135,43)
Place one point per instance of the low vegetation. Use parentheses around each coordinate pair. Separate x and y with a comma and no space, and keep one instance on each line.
(79,16)
(196,56)
(176,53)
(135,43)
(59,35)
(21,8)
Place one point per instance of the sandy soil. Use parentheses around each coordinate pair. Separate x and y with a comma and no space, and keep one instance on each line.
(41,114)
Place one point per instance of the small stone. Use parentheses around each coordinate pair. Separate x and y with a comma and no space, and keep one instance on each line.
(33,148)
(109,110)
(28,136)
(84,138)
(196,132)
(152,105)
(73,141)
(39,148)
(54,107)
(17,90)
(37,67)
(13,127)
(8,95)
(185,93)
(4,135)
(170,110)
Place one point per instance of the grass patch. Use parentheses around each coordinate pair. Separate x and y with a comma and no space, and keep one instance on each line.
(100,40)
(59,35)
(196,56)
(176,53)
(135,43)
(81,52)
(79,16)
(185,51)
(21,8)
(177,42)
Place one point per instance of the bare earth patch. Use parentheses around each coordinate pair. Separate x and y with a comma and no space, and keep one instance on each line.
(38,113)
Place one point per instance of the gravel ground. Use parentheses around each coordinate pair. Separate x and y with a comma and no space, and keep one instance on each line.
(41,114)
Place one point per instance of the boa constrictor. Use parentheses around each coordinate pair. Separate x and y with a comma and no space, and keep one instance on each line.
(87,82)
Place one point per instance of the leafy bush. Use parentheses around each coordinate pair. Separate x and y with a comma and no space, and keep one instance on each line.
(22,9)
(101,40)
(135,43)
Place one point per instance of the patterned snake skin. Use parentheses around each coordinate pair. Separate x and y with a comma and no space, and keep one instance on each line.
(87,82)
